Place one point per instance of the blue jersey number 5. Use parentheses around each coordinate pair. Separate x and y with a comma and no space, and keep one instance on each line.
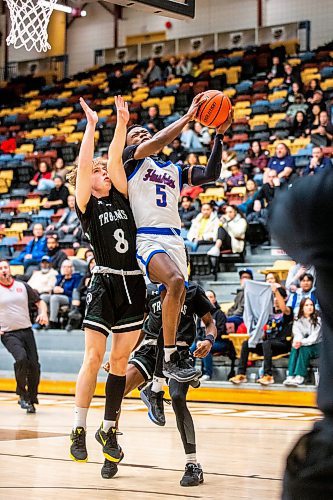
(161,199)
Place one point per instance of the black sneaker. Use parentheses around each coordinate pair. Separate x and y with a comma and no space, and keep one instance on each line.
(179,369)
(154,402)
(23,403)
(195,383)
(30,407)
(111,449)
(193,475)
(78,450)
(110,469)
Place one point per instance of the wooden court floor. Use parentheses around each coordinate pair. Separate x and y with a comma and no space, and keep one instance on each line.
(241,448)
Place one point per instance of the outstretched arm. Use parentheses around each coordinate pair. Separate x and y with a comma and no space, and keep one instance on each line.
(168,134)
(86,156)
(115,163)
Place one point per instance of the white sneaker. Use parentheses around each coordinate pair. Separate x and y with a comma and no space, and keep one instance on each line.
(205,378)
(289,381)
(214,252)
(299,380)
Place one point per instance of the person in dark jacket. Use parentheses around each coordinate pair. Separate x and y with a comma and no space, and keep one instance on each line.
(58,195)
(33,252)
(178,153)
(318,162)
(187,212)
(62,293)
(267,192)
(54,251)
(221,346)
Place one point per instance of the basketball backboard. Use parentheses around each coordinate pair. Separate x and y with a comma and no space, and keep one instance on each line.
(180,9)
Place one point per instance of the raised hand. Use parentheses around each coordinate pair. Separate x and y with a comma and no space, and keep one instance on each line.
(122,109)
(193,109)
(92,117)
(224,127)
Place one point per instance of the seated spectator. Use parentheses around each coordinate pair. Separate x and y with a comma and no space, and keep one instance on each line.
(283,163)
(154,123)
(293,93)
(171,69)
(32,255)
(203,134)
(314,117)
(153,72)
(69,220)
(229,158)
(311,87)
(9,144)
(221,346)
(295,273)
(323,134)
(300,125)
(307,336)
(43,172)
(274,340)
(204,228)
(277,69)
(191,140)
(299,104)
(256,161)
(231,233)
(187,212)
(117,82)
(258,214)
(318,162)
(236,178)
(236,311)
(251,192)
(305,290)
(44,280)
(58,195)
(318,97)
(79,296)
(59,169)
(192,191)
(291,75)
(62,292)
(138,82)
(54,251)
(178,153)
(266,193)
(184,66)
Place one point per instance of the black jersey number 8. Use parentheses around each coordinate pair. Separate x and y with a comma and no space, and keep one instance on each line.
(122,243)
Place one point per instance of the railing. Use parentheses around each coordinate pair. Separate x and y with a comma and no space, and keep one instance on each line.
(49,67)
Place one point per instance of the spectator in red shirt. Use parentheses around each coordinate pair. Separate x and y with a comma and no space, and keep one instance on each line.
(9,144)
(43,172)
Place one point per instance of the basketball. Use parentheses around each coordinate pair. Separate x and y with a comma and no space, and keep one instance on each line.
(214,109)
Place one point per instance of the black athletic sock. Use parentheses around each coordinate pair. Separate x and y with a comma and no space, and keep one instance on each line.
(114,392)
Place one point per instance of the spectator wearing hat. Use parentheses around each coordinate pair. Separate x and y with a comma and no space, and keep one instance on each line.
(58,195)
(236,178)
(187,212)
(236,311)
(204,227)
(318,162)
(282,162)
(31,256)
(323,134)
(54,251)
(44,280)
(231,233)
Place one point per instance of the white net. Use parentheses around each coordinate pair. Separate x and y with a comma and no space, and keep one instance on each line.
(29,22)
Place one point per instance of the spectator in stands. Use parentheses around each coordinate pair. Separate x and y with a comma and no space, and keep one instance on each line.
(187,212)
(56,255)
(118,82)
(79,297)
(323,134)
(191,140)
(192,191)
(266,193)
(153,72)
(295,273)
(312,86)
(178,153)
(305,290)
(44,279)
(318,162)
(204,228)
(31,256)
(68,222)
(236,178)
(138,82)
(221,346)
(9,144)
(59,168)
(43,173)
(256,161)
(293,93)
(298,105)
(229,158)
(274,340)
(61,294)
(154,122)
(236,311)
(231,233)
(277,69)
(258,214)
(282,162)
(314,117)
(58,195)
(300,125)
(251,192)
(329,108)
(307,336)
(184,66)
(203,134)
(317,98)
(171,69)
(290,75)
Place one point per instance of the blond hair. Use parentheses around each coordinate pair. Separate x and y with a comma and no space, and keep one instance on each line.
(72,175)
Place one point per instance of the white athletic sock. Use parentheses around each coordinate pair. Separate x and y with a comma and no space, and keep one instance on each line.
(168,351)
(191,458)
(107,424)
(157,385)
(80,417)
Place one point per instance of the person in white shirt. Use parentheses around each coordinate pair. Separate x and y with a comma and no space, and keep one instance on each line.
(204,228)
(45,279)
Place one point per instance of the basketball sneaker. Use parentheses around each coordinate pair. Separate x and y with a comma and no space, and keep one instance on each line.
(154,402)
(109,469)
(179,369)
(23,403)
(30,407)
(195,383)
(193,475)
(78,450)
(111,449)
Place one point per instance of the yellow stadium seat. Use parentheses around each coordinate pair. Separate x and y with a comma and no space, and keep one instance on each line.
(218,72)
(174,81)
(105,112)
(302,141)
(66,129)
(151,102)
(51,131)
(81,253)
(75,137)
(4,188)
(25,148)
(215,194)
(108,101)
(279,94)
(327,84)
(7,174)
(230,92)
(294,61)
(280,268)
(203,160)
(242,105)
(258,120)
(233,75)
(70,121)
(15,270)
(242,113)
(276,82)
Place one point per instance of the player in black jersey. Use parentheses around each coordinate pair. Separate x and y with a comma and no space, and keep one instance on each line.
(116,294)
(142,366)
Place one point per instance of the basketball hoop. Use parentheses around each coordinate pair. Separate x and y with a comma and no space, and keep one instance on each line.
(29,22)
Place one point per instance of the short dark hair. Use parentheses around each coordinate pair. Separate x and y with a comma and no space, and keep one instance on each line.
(188,198)
(135,125)
(307,275)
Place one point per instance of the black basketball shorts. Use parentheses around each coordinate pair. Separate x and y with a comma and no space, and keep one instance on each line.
(108,308)
(144,360)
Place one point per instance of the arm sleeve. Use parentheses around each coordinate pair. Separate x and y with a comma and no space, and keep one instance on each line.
(33,295)
(201,304)
(197,175)
(220,322)
(128,159)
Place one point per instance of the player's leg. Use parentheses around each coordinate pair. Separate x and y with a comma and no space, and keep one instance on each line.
(193,475)
(95,345)
(163,270)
